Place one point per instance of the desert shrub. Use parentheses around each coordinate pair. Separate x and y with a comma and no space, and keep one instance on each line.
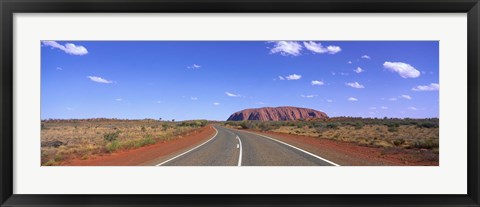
(425,144)
(398,142)
(109,137)
(299,125)
(392,129)
(165,126)
(427,125)
(358,125)
(332,125)
(113,146)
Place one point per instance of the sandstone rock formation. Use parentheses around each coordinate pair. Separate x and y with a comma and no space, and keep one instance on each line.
(284,113)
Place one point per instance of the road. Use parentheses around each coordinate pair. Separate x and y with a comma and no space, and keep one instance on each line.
(229,147)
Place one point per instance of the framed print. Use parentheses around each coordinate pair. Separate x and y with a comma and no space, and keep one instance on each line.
(186,103)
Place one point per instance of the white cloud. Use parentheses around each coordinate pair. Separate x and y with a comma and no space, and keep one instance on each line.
(384,107)
(319,48)
(403,69)
(216,103)
(392,99)
(119,99)
(317,83)
(349,62)
(68,48)
(159,102)
(286,48)
(406,97)
(373,108)
(329,100)
(281,78)
(352,99)
(358,70)
(232,94)
(59,68)
(333,73)
(431,87)
(344,74)
(193,98)
(99,79)
(194,66)
(70,109)
(293,77)
(412,108)
(355,85)
(260,103)
(308,96)
(366,57)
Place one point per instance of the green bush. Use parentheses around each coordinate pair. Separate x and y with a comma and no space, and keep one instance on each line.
(109,137)
(113,146)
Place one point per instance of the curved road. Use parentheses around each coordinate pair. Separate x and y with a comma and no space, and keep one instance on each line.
(230,147)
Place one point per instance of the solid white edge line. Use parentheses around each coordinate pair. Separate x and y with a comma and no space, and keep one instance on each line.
(240,154)
(216,132)
(304,151)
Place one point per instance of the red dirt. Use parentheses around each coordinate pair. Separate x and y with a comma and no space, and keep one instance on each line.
(146,154)
(347,153)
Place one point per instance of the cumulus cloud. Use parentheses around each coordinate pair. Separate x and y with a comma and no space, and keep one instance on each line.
(406,97)
(216,103)
(281,78)
(232,94)
(293,77)
(99,79)
(358,70)
(355,85)
(349,62)
(352,99)
(68,48)
(194,66)
(308,96)
(317,83)
(403,69)
(365,57)
(193,98)
(431,87)
(286,48)
(319,48)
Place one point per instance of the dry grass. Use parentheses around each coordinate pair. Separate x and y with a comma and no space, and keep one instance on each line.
(67,139)
(404,136)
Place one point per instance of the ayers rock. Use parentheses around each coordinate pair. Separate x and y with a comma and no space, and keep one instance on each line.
(283,113)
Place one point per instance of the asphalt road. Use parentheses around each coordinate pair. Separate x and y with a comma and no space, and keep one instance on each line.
(230,147)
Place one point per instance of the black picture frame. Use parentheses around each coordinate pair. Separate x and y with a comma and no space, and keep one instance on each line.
(10,7)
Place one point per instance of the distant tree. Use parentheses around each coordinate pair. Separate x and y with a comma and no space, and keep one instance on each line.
(173,120)
(159,119)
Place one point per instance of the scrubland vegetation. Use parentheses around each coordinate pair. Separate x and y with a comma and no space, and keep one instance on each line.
(83,138)
(386,132)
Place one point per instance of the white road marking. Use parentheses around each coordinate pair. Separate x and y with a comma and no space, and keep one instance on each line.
(306,152)
(216,132)
(240,154)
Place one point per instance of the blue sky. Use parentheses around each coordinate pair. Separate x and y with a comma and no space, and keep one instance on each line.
(185,80)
